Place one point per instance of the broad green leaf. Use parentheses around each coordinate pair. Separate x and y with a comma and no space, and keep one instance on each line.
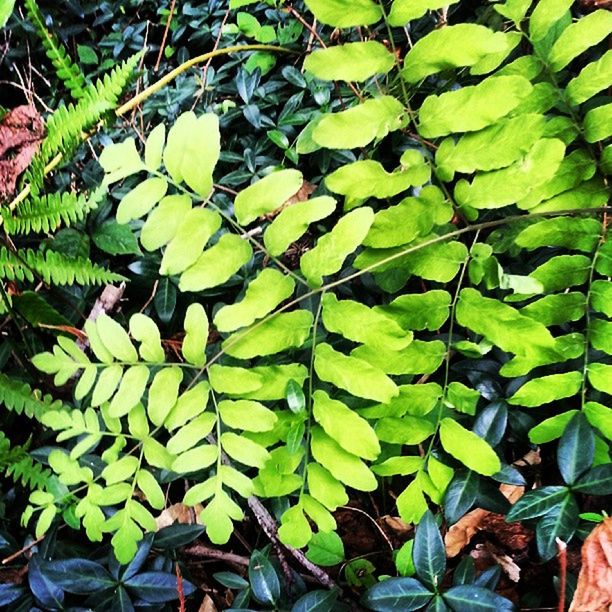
(121,470)
(501,324)
(243,450)
(353,433)
(217,264)
(545,14)
(344,466)
(571,233)
(6,9)
(461,495)
(350,62)
(354,375)
(603,263)
(345,13)
(196,229)
(368,178)
(473,151)
(236,480)
(537,503)
(411,504)
(218,515)
(190,403)
(266,195)
(600,335)
(115,239)
(598,123)
(600,376)
(493,60)
(509,185)
(462,398)
(551,429)
(591,80)
(419,311)
(163,394)
(588,194)
(196,335)
(454,46)
(476,599)
(406,430)
(130,392)
(563,271)
(278,333)
(189,435)
(417,400)
(157,454)
(163,223)
(144,329)
(320,515)
(294,529)
(599,416)
(398,466)
(147,483)
(514,10)
(262,296)
(467,447)
(292,223)
(115,339)
(359,323)
(154,147)
(403,11)
(579,36)
(195,459)
(138,423)
(96,344)
(360,125)
(334,247)
(559,524)
(576,449)
(472,108)
(428,552)
(273,381)
(263,579)
(140,200)
(547,389)
(120,160)
(107,383)
(324,487)
(326,549)
(601,297)
(418,357)
(247,415)
(397,594)
(597,481)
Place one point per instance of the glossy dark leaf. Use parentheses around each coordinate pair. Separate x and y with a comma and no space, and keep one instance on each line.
(597,481)
(138,561)
(231,580)
(437,604)
(470,598)
(509,475)
(576,448)
(265,584)
(175,536)
(122,601)
(165,300)
(491,422)
(157,587)
(79,575)
(428,552)
(44,588)
(537,503)
(489,578)
(401,594)
(317,601)
(560,522)
(460,495)
(10,592)
(465,572)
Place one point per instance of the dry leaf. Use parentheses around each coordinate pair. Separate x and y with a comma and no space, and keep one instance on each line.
(460,534)
(21,132)
(300,196)
(594,590)
(179,513)
(207,605)
(396,525)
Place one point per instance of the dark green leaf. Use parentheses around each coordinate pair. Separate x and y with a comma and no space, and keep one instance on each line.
(576,449)
(231,580)
(43,587)
(401,594)
(175,536)
(317,601)
(115,239)
(165,300)
(157,587)
(491,422)
(465,572)
(597,481)
(476,599)
(560,522)
(79,575)
(428,552)
(460,495)
(264,581)
(536,503)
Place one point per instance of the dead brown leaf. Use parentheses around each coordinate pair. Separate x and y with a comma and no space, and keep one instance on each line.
(300,196)
(179,513)
(21,132)
(396,525)
(460,534)
(594,590)
(207,605)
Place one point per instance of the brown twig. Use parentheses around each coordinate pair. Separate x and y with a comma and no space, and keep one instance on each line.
(165,37)
(562,557)
(23,550)
(179,588)
(199,550)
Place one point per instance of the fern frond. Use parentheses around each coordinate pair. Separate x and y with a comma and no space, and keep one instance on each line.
(47,213)
(17,396)
(67,71)
(54,268)
(67,124)
(29,473)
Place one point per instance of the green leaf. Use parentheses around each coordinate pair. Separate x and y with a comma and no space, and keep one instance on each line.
(418,357)
(6,9)
(509,185)
(468,448)
(419,311)
(428,552)
(163,394)
(334,247)
(115,239)
(407,430)
(360,125)
(218,515)
(597,481)
(266,195)
(278,333)
(344,466)
(163,223)
(563,271)
(247,415)
(292,223)
(454,46)
(576,449)
(121,470)
(546,389)
(600,335)
(359,323)
(557,309)
(578,37)
(140,200)
(190,403)
(472,108)
(550,429)
(243,450)
(403,11)
(350,62)
(154,147)
(295,529)
(353,433)
(196,335)
(264,582)
(545,14)
(559,523)
(514,10)
(192,235)
(325,549)
(578,234)
(195,459)
(192,433)
(120,160)
(153,492)
(461,495)
(130,392)
(472,152)
(146,332)
(462,398)
(325,488)
(397,594)
(476,599)
(598,123)
(115,339)
(591,80)
(601,297)
(345,13)
(106,385)
(411,503)
(398,466)
(537,503)
(353,375)
(599,416)
(217,264)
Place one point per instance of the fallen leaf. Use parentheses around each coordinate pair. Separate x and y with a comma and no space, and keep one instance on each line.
(594,589)
(207,605)
(396,525)
(460,534)
(179,513)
